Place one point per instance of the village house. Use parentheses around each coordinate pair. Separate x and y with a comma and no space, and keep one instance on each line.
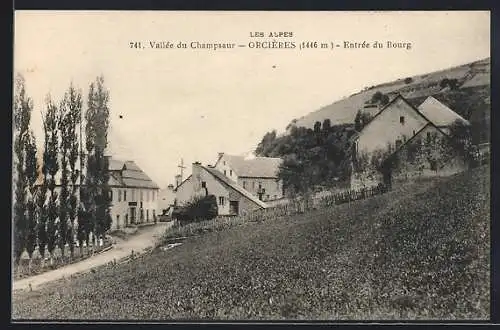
(402,141)
(257,175)
(232,199)
(134,196)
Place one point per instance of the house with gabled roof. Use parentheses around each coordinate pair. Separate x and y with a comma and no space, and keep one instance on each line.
(134,196)
(402,141)
(232,199)
(257,175)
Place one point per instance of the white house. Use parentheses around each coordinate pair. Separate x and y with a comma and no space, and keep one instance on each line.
(232,199)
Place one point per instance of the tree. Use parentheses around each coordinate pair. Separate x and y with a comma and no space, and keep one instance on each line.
(317,127)
(51,165)
(361,120)
(31,171)
(327,125)
(23,106)
(408,80)
(65,144)
(73,99)
(97,191)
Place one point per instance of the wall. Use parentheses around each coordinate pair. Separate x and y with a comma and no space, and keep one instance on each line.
(272,186)
(224,165)
(245,205)
(428,154)
(120,205)
(192,187)
(165,199)
(386,127)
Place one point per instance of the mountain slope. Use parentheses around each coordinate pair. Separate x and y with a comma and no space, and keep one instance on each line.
(473,75)
(420,251)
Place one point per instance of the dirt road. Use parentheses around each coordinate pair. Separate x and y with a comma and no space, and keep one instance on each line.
(123,248)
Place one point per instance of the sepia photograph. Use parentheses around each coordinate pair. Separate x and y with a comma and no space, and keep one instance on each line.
(241,166)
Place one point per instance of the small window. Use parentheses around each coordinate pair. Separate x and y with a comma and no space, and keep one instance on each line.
(119,195)
(267,197)
(111,195)
(244,184)
(142,195)
(125,195)
(230,172)
(225,172)
(221,200)
(203,184)
(402,120)
(147,215)
(224,162)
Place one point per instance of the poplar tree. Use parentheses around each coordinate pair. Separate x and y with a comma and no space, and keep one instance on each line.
(52,166)
(74,101)
(23,106)
(64,147)
(31,171)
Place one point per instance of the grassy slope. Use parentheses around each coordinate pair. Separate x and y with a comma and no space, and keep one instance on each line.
(476,74)
(420,251)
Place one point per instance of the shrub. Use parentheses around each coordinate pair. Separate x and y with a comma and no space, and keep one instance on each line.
(199,209)
(408,80)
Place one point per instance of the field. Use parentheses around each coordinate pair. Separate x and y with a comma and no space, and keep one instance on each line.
(420,251)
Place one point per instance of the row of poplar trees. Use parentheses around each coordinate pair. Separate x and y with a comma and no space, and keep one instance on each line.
(52,214)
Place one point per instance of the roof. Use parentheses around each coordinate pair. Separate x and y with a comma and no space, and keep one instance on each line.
(225,180)
(116,165)
(133,176)
(257,167)
(438,113)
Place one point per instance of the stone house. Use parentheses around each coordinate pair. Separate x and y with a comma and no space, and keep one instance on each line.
(402,141)
(257,175)
(232,199)
(134,196)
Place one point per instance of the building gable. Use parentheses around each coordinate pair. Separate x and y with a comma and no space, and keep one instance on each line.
(397,121)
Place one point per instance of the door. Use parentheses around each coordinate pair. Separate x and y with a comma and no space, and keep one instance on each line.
(132,215)
(234,207)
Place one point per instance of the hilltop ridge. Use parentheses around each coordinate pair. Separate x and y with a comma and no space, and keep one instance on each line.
(471,79)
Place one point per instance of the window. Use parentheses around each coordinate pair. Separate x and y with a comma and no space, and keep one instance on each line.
(147,215)
(203,184)
(111,194)
(244,184)
(260,185)
(402,120)
(267,197)
(117,221)
(225,172)
(119,195)
(221,200)
(224,162)
(230,172)
(142,195)
(125,195)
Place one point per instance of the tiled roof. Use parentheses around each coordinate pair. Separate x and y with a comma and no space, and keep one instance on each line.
(115,165)
(258,167)
(221,177)
(438,113)
(133,176)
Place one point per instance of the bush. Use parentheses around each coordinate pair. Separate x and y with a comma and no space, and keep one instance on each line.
(408,80)
(199,209)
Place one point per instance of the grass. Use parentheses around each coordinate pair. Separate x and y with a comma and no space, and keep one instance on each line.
(418,252)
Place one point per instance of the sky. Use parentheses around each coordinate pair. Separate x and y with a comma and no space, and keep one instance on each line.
(190,104)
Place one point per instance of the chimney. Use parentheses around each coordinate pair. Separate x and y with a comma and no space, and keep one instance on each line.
(220,154)
(196,176)
(178,180)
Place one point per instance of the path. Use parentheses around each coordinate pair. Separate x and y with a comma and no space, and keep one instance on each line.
(123,248)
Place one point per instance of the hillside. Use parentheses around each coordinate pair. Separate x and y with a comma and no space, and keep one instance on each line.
(418,252)
(471,77)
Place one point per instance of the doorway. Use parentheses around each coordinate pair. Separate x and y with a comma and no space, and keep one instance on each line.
(234,207)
